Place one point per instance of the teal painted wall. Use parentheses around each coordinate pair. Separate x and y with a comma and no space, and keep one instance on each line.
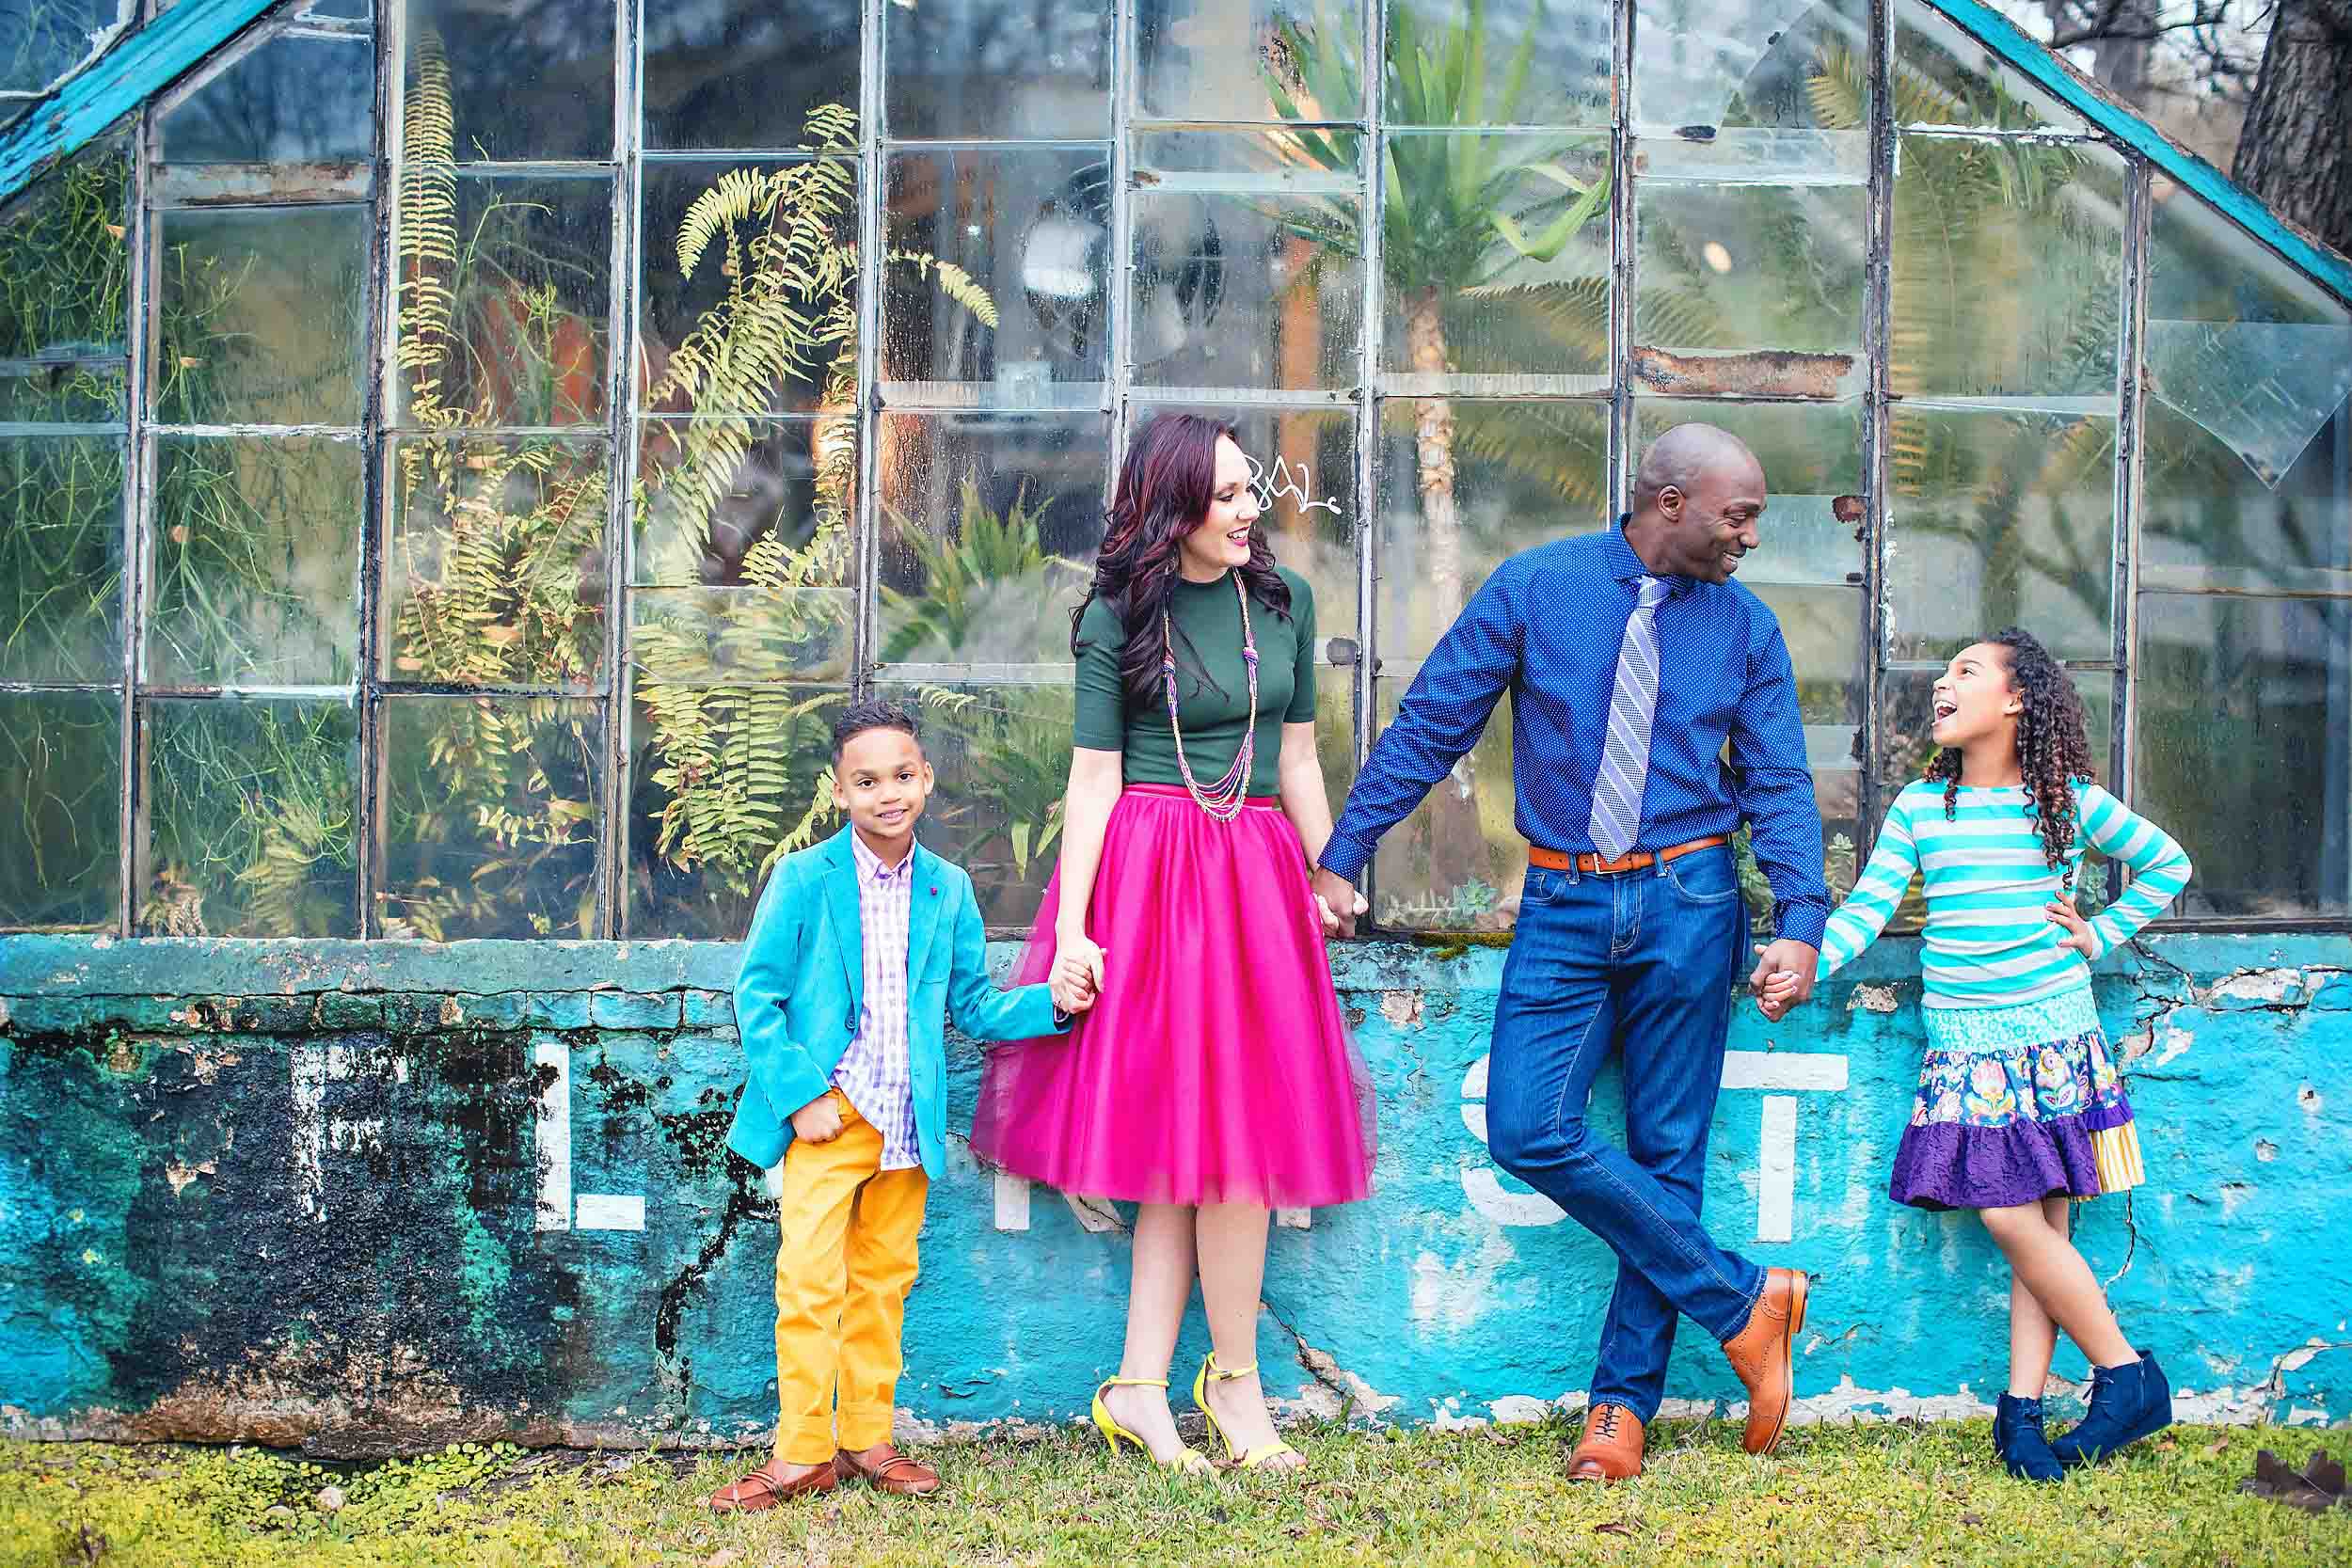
(372,1197)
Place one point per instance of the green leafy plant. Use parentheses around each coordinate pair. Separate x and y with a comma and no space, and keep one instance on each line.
(991,586)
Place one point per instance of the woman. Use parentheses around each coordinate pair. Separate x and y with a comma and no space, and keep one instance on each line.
(1213,1081)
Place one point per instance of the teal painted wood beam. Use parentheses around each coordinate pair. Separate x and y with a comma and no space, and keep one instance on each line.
(134,70)
(2005,38)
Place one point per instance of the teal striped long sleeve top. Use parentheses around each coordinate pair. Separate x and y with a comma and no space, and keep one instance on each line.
(1988,941)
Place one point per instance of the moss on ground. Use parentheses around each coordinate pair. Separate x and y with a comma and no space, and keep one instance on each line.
(1895,1493)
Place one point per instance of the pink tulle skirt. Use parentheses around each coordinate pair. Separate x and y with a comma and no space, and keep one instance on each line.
(1215,1066)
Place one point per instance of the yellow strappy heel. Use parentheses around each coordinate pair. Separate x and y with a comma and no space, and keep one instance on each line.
(1190,1461)
(1211,1372)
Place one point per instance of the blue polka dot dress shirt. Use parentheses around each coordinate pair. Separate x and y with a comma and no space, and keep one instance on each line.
(1727,743)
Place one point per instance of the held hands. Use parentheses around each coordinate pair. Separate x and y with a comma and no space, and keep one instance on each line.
(2079,936)
(1333,894)
(819,1121)
(1077,979)
(1783,976)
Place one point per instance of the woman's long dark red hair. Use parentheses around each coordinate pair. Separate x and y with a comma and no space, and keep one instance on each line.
(1164,491)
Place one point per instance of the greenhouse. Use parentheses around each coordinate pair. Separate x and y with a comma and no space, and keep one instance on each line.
(454,455)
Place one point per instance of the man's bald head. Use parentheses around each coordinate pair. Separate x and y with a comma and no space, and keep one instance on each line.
(1696,499)
(1686,457)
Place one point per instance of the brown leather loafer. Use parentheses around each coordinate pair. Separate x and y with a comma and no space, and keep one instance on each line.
(886,1470)
(762,1489)
(1611,1449)
(1761,1353)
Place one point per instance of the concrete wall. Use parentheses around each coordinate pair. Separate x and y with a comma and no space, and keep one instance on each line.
(368,1198)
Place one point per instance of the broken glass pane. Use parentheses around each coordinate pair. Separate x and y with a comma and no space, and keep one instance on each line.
(1776,271)
(1699,64)
(261,315)
(490,817)
(293,100)
(250,812)
(256,561)
(61,816)
(1943,76)
(65,267)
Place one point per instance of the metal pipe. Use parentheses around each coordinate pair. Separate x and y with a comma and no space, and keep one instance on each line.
(1877,340)
(138,470)
(376,417)
(1121,284)
(865,512)
(1622,273)
(1364,694)
(621,468)
(2131,405)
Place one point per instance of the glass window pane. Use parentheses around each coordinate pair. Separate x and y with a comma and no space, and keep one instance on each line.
(494,573)
(64,392)
(293,100)
(43,41)
(2248,431)
(1699,64)
(766,318)
(1943,76)
(1542,64)
(1812,457)
(490,817)
(256,561)
(1463,485)
(1216,60)
(2006,272)
(519,79)
(2245,716)
(1455,864)
(250,811)
(61,556)
(1496,264)
(1010,313)
(721,776)
(989,532)
(737,503)
(1304,463)
(1001,754)
(996,68)
(2000,520)
(1244,272)
(508,327)
(744,74)
(64,264)
(729,636)
(1770,268)
(261,315)
(61,817)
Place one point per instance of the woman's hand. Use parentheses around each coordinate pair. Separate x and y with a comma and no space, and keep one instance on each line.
(2079,936)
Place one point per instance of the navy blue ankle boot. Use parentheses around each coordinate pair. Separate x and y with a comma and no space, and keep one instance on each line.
(2127,1403)
(2018,1438)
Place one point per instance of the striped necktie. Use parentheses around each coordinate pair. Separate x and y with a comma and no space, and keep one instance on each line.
(1625,760)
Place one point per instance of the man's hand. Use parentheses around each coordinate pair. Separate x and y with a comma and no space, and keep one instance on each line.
(819,1121)
(1786,957)
(1340,903)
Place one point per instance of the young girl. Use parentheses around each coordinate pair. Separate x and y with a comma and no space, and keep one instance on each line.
(2019,1107)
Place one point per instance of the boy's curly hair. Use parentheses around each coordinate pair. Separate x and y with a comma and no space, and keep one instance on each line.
(2053,743)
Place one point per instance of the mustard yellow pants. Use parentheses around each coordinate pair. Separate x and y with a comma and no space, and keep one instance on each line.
(845,1260)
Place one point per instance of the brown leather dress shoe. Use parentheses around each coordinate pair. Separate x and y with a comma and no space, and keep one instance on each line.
(1761,1353)
(1611,1449)
(762,1489)
(886,1470)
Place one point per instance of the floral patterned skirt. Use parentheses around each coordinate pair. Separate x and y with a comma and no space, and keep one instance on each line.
(2016,1105)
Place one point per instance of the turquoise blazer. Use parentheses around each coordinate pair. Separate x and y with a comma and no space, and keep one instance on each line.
(802,991)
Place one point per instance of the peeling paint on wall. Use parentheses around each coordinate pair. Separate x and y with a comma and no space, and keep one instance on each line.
(367,1199)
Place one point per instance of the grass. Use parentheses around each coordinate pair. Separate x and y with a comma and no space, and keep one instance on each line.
(1895,1493)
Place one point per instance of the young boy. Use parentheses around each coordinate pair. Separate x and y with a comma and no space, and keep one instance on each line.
(861,947)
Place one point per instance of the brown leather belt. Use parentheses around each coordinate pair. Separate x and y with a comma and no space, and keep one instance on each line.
(1592,864)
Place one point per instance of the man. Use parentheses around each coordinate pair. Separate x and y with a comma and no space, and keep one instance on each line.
(1632,661)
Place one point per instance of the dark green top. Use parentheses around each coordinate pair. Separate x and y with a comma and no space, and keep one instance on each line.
(1210,615)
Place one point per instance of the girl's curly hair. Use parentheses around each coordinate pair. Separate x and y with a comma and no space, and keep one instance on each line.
(2053,743)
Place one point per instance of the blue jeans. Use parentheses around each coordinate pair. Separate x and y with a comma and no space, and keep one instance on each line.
(1642,962)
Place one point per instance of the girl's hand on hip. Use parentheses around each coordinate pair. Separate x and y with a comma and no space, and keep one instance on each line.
(2078,936)
(819,1121)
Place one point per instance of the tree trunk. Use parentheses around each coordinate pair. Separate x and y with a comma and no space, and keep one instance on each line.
(2295,152)
(1432,443)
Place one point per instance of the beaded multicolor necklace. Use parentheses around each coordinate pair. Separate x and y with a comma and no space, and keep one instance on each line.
(1223,799)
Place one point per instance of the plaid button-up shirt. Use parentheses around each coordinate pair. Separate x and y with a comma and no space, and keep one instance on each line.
(874,1072)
